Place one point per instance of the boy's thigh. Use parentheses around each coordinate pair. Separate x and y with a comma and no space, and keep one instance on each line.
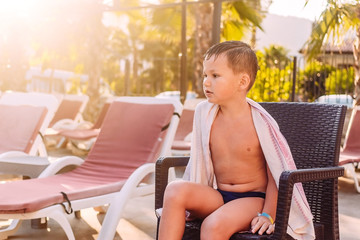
(201,200)
(237,215)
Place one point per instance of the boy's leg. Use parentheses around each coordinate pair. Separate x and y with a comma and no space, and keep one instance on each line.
(230,218)
(199,200)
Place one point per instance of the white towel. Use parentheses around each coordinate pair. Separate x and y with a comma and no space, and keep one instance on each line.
(276,152)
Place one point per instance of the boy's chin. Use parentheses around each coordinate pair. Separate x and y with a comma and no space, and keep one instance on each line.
(210,100)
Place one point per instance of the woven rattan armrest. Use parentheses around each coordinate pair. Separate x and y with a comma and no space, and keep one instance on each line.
(286,184)
(161,175)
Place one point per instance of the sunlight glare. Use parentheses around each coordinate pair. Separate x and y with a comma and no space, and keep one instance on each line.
(18,8)
(150,1)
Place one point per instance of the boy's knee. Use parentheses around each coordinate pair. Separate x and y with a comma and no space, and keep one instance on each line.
(211,228)
(175,191)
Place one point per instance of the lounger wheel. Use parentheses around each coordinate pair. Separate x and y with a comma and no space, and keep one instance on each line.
(11,229)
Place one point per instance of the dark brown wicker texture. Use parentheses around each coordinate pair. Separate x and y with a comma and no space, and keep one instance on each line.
(313,132)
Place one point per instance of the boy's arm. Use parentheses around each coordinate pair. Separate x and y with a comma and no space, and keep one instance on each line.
(271,195)
(263,223)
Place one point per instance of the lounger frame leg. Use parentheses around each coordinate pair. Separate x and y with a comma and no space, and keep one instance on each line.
(350,168)
(77,214)
(116,207)
(39,223)
(11,229)
(60,218)
(56,212)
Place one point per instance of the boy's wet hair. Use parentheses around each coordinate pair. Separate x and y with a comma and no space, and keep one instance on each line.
(240,57)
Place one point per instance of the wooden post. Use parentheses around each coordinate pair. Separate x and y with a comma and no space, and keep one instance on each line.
(294,80)
(183,60)
(216,22)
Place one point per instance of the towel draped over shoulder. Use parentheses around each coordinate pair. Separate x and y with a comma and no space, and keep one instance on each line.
(276,151)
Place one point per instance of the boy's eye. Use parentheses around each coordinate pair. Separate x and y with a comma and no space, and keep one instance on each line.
(204,75)
(215,75)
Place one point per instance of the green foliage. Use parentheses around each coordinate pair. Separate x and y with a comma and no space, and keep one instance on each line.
(276,56)
(312,80)
(340,81)
(334,22)
(240,16)
(271,84)
(75,86)
(118,49)
(274,82)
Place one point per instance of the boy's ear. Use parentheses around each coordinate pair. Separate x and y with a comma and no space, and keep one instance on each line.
(244,81)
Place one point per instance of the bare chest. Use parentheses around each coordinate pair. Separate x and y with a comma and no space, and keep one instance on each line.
(236,138)
(235,147)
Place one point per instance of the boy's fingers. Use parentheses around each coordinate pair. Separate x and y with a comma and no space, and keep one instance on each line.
(263,228)
(258,225)
(254,221)
(262,225)
(271,229)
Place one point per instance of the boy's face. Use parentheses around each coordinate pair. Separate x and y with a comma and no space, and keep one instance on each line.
(220,83)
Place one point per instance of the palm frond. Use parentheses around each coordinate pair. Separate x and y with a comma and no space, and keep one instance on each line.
(247,14)
(333,23)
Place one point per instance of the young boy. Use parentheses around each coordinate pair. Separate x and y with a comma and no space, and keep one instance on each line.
(230,181)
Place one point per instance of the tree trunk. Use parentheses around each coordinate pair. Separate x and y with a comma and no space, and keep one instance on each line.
(203,38)
(255,5)
(253,37)
(135,78)
(96,46)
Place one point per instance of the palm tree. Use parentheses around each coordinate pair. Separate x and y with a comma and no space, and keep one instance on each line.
(334,21)
(276,56)
(237,18)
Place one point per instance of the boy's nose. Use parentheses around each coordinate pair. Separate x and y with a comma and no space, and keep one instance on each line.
(206,82)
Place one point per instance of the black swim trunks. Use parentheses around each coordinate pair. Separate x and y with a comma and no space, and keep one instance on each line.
(229,196)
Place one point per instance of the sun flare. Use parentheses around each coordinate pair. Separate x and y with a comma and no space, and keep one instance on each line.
(19,8)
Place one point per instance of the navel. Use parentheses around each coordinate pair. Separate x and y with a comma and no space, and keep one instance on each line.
(248,149)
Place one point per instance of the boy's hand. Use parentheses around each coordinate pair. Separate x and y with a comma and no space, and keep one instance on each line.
(262,224)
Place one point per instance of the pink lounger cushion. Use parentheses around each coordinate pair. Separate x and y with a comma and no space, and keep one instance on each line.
(80,134)
(68,109)
(86,134)
(129,138)
(19,126)
(185,127)
(351,151)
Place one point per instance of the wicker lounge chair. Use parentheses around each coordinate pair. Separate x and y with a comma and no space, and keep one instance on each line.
(350,154)
(313,132)
(135,131)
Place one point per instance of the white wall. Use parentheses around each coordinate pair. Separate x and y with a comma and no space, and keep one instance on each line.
(289,32)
